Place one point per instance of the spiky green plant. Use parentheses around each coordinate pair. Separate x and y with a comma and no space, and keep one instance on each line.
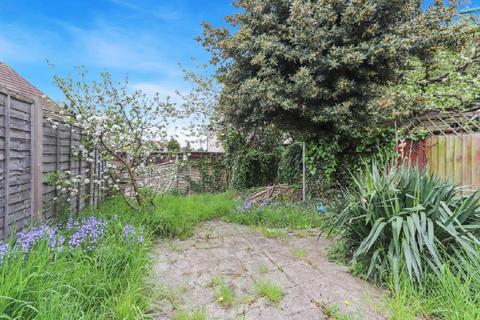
(398,218)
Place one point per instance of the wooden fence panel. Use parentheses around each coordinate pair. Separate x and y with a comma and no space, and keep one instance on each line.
(30,149)
(453,157)
(16,162)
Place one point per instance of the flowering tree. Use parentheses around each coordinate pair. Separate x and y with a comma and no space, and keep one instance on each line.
(123,127)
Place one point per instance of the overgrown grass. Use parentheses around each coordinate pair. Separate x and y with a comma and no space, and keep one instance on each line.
(104,282)
(101,280)
(281,216)
(449,296)
(175,216)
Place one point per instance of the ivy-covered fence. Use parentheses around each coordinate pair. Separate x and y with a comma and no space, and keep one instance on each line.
(187,172)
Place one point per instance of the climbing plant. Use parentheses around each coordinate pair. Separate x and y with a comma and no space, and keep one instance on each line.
(212,176)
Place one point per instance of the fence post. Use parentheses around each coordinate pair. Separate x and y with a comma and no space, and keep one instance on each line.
(70,163)
(7,167)
(36,154)
(91,187)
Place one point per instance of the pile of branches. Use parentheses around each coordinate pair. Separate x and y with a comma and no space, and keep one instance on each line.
(271,193)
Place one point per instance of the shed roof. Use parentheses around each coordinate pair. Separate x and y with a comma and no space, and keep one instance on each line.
(12,81)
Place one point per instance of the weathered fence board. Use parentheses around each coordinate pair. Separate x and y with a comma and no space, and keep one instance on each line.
(453,157)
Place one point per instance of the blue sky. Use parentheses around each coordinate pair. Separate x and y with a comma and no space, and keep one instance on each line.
(144,39)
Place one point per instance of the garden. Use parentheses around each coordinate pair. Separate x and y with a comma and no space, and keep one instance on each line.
(308,97)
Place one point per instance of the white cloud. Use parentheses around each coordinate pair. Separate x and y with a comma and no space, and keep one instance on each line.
(162,12)
(165,90)
(17,45)
(115,48)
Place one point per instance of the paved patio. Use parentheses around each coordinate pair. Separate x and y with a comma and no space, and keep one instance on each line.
(184,270)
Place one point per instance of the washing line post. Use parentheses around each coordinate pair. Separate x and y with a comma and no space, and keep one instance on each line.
(304,185)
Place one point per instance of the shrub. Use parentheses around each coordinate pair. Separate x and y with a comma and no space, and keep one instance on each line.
(401,219)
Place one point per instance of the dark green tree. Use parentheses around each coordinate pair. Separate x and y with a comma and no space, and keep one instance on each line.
(316,66)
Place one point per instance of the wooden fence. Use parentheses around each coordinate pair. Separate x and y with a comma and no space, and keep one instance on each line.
(453,157)
(179,171)
(30,148)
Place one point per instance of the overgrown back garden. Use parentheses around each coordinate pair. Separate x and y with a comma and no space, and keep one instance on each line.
(310,100)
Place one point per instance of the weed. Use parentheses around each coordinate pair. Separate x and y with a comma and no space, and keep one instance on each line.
(269,290)
(225,295)
(262,270)
(216,281)
(193,315)
(332,312)
(338,252)
(274,233)
(299,253)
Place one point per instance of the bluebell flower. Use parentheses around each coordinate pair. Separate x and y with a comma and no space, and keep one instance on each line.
(3,251)
(28,239)
(128,230)
(89,232)
(265,202)
(69,224)
(248,205)
(129,234)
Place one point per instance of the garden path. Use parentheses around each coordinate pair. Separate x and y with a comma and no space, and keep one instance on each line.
(241,255)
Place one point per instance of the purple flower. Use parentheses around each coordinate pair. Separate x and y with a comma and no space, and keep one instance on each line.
(60,241)
(89,232)
(69,224)
(131,235)
(3,251)
(28,239)
(248,205)
(265,202)
(128,230)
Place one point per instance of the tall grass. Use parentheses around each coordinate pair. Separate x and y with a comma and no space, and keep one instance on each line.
(101,276)
(449,296)
(277,215)
(100,282)
(174,216)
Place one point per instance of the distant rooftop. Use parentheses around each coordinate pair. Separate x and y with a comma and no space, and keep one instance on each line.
(12,81)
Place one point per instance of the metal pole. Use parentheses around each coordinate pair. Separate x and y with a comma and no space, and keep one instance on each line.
(304,189)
